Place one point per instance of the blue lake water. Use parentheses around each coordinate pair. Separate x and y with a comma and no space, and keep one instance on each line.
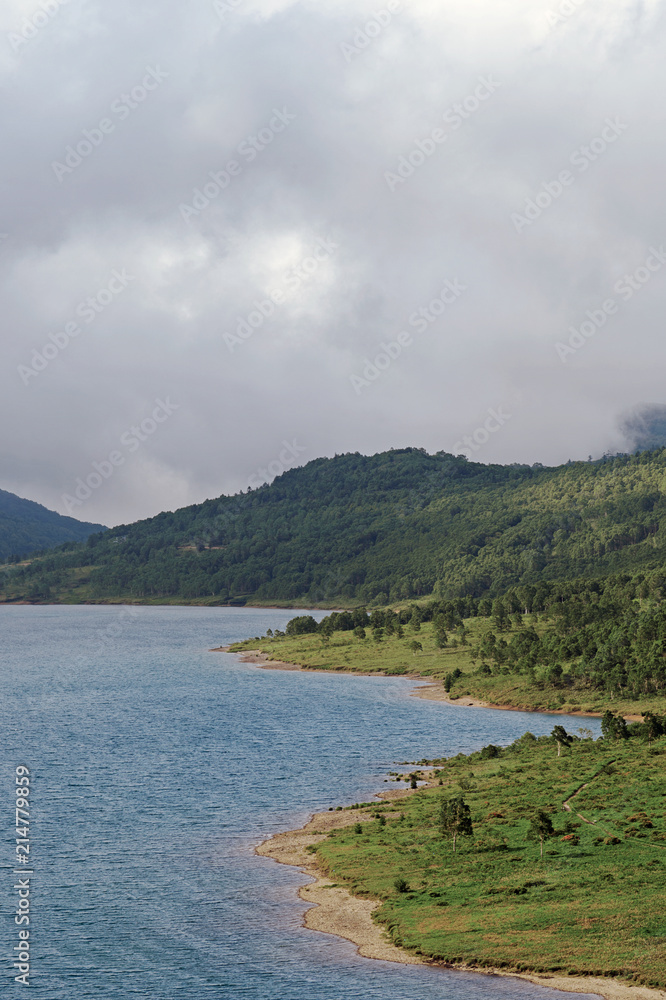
(158,765)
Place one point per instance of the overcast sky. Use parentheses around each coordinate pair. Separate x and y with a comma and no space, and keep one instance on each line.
(215,215)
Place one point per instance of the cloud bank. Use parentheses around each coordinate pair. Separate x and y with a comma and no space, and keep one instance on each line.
(310,228)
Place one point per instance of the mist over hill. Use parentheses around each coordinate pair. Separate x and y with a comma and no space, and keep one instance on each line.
(645,427)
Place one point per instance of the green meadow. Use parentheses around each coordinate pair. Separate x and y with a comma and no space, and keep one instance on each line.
(594,904)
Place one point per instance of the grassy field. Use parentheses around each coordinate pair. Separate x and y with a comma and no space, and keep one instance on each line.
(393,656)
(595,903)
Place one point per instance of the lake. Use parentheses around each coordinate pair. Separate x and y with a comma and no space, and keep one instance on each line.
(156,766)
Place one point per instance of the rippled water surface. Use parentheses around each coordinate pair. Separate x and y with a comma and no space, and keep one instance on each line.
(157,765)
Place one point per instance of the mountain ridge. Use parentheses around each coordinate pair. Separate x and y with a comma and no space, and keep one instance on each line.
(398,525)
(27,526)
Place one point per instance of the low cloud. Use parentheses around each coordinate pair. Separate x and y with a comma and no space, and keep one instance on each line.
(145,121)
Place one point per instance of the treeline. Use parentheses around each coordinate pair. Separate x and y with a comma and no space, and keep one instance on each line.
(605,635)
(377,530)
(602,635)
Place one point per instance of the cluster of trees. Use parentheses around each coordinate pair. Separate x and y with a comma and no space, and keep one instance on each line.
(615,727)
(607,634)
(379,530)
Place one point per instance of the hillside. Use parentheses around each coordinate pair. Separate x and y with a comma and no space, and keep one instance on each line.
(26,526)
(380,529)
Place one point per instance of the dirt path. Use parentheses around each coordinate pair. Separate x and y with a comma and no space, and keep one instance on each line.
(590,822)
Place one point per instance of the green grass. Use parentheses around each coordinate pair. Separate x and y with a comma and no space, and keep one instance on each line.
(593,906)
(393,657)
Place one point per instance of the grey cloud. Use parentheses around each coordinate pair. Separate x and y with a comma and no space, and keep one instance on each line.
(322,177)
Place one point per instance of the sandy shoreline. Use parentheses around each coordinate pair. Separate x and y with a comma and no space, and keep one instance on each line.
(429,689)
(335,911)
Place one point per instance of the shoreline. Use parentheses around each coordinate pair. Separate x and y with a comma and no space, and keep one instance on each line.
(334,910)
(429,689)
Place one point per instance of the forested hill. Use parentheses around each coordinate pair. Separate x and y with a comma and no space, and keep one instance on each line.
(26,527)
(378,529)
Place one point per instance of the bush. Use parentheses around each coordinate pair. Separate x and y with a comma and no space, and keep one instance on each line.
(302,625)
(401,884)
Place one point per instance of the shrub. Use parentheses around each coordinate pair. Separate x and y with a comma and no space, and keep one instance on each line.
(302,625)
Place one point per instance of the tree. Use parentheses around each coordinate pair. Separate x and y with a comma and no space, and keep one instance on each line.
(653,726)
(441,638)
(450,679)
(541,826)
(456,819)
(415,647)
(613,727)
(500,617)
(607,726)
(302,625)
(562,737)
